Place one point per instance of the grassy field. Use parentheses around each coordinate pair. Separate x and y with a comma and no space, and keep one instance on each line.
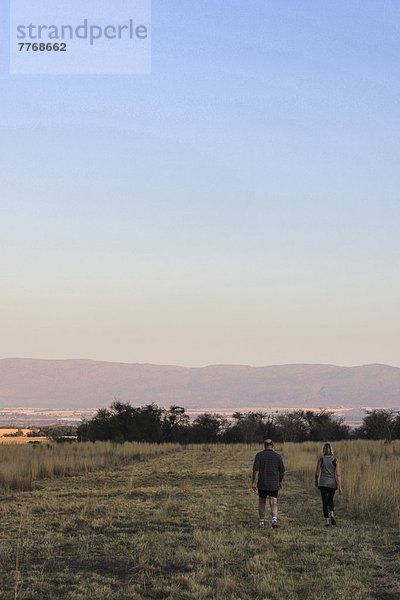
(181,522)
(22,440)
(18,440)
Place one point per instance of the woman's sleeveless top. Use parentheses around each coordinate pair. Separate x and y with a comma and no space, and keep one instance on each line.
(327,477)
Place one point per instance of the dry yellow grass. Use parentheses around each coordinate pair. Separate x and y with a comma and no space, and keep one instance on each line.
(370,474)
(182,525)
(18,440)
(4,431)
(23,464)
(21,440)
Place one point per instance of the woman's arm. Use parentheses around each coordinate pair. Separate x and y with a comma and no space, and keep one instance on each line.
(338,477)
(317,471)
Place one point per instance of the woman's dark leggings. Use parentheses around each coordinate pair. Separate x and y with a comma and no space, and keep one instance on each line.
(327,500)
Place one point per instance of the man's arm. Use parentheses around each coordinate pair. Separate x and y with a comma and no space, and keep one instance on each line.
(281,470)
(255,480)
(256,470)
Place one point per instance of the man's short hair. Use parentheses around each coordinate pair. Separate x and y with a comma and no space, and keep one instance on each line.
(268,443)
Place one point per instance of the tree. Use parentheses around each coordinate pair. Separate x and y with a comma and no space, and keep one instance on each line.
(97,428)
(324,426)
(124,423)
(293,426)
(175,426)
(380,424)
(396,432)
(207,428)
(251,427)
(148,421)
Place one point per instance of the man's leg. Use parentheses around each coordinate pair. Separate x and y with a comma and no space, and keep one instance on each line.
(273,503)
(261,508)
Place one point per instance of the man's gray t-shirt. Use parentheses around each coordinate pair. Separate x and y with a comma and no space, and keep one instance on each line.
(269,465)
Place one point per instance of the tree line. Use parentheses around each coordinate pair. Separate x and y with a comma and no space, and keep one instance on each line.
(122,422)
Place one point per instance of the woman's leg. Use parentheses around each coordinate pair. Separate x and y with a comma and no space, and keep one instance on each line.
(331,493)
(330,500)
(324,496)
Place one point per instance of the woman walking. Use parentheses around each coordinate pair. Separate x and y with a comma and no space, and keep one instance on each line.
(328,480)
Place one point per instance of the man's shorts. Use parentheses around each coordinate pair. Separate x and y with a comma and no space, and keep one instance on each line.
(265,493)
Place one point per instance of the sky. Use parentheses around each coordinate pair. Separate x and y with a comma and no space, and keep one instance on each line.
(240,204)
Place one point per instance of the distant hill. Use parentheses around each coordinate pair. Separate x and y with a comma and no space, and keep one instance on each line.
(89,383)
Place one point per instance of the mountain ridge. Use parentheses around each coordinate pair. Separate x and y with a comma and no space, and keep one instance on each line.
(62,383)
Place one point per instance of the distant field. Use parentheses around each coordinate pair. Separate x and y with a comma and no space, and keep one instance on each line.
(21,440)
(171,522)
(4,431)
(18,440)
(24,417)
(351,416)
(34,417)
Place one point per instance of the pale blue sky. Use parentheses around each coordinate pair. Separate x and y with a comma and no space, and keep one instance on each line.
(239,205)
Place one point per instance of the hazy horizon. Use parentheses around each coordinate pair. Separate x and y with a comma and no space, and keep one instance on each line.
(196,366)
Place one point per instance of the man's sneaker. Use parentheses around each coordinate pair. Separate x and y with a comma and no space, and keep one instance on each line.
(261,524)
(333,520)
(274,523)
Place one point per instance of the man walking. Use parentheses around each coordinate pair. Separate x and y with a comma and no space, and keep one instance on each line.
(268,472)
